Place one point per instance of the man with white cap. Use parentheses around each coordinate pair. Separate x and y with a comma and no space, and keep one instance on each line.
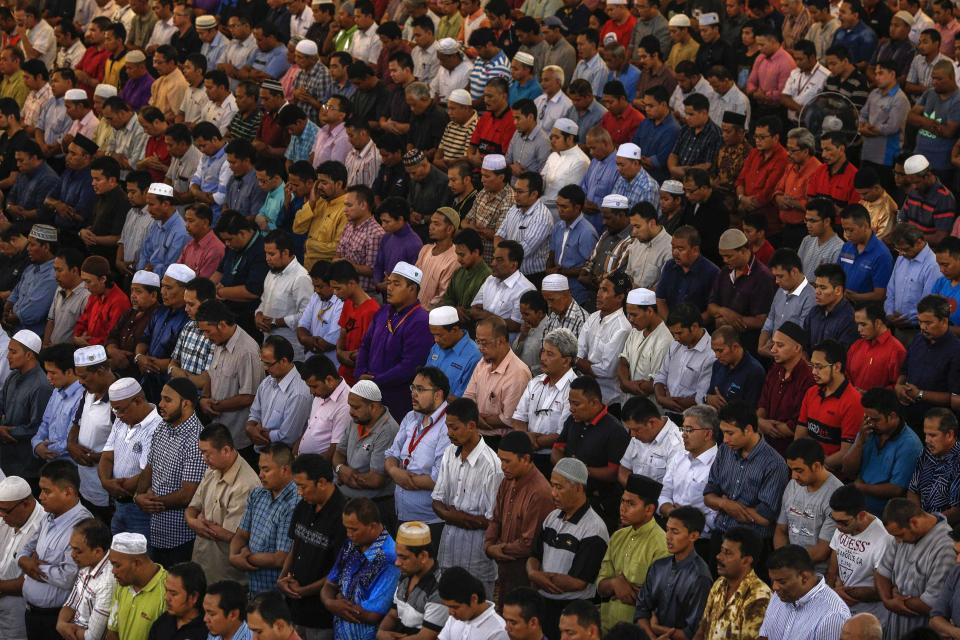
(645,346)
(454,70)
(313,84)
(398,340)
(454,352)
(713,50)
(456,135)
(634,181)
(167,235)
(25,396)
(417,606)
(140,595)
(48,566)
(50,441)
(214,42)
(684,46)
(563,310)
(603,260)
(567,164)
(493,202)
(28,304)
(529,146)
(524,84)
(22,517)
(529,223)
(155,346)
(929,206)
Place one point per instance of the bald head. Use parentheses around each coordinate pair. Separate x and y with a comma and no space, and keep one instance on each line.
(863,626)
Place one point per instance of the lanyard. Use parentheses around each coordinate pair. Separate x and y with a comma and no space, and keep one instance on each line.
(393,329)
(419,435)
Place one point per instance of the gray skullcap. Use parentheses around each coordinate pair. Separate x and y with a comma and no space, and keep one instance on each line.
(732,239)
(573,470)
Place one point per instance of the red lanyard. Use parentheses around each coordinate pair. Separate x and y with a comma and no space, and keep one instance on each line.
(415,438)
(393,329)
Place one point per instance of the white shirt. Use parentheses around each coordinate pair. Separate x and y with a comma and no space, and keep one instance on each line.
(469,485)
(407,32)
(686,371)
(301,23)
(486,626)
(651,458)
(131,445)
(733,100)
(645,260)
(921,22)
(425,63)
(71,56)
(858,556)
(543,406)
(502,297)
(285,295)
(44,42)
(4,364)
(194,105)
(676,99)
(601,342)
(95,426)
(221,114)
(804,87)
(366,45)
(446,81)
(11,542)
(162,33)
(549,110)
(684,481)
(239,53)
(92,597)
(644,354)
(563,168)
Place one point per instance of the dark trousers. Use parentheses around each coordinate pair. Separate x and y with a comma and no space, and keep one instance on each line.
(551,617)
(103,514)
(41,623)
(172,556)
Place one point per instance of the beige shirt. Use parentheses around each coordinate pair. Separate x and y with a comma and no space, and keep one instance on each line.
(437,272)
(222,498)
(236,370)
(497,391)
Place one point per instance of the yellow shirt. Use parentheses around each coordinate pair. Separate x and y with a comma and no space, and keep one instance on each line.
(14,87)
(680,52)
(883,214)
(323,227)
(134,612)
(631,552)
(738,617)
(103,134)
(112,69)
(166,92)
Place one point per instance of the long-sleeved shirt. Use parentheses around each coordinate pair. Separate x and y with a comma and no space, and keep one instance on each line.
(323,224)
(531,228)
(33,295)
(912,279)
(163,244)
(282,407)
(285,295)
(401,246)
(24,398)
(52,546)
(676,592)
(57,419)
(359,243)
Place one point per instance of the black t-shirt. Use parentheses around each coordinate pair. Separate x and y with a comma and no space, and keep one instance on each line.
(596,444)
(317,538)
(109,213)
(165,628)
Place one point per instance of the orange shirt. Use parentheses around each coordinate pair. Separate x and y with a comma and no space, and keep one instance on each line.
(793,183)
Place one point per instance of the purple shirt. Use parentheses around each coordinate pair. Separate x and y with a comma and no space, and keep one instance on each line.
(392,357)
(136,92)
(402,246)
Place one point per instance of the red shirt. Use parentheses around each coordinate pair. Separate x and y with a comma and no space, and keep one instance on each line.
(622,31)
(204,256)
(353,324)
(271,133)
(836,187)
(760,174)
(622,129)
(156,146)
(875,363)
(782,396)
(764,253)
(101,314)
(493,133)
(832,419)
(92,63)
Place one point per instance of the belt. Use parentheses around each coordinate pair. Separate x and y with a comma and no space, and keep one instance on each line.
(124,500)
(43,611)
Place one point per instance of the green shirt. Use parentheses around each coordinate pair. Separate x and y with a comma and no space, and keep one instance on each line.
(464,285)
(341,41)
(449,26)
(630,552)
(14,87)
(134,612)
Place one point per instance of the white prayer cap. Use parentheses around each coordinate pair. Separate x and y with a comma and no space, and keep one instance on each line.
(444,316)
(613,2)
(567,126)
(161,189)
(146,278)
(206,22)
(615,201)
(629,150)
(124,389)
(28,339)
(642,297)
(555,282)
(408,271)
(672,186)
(105,91)
(132,544)
(679,20)
(180,273)
(915,164)
(448,46)
(13,488)
(44,233)
(307,47)
(494,162)
(461,96)
(136,57)
(75,95)
(524,58)
(708,19)
(89,356)
(368,390)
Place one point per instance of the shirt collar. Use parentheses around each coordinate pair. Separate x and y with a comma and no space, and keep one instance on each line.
(800,287)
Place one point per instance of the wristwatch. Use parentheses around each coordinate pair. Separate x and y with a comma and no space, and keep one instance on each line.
(920,395)
(336,470)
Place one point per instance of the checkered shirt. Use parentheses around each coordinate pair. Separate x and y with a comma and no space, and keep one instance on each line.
(318,83)
(174,458)
(267,520)
(193,350)
(489,210)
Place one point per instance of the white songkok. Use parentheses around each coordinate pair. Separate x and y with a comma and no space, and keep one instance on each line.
(13,488)
(180,273)
(494,162)
(368,390)
(642,297)
(146,278)
(444,316)
(28,339)
(408,271)
(89,356)
(555,282)
(124,389)
(132,544)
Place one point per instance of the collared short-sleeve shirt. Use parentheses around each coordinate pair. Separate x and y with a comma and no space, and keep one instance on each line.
(418,448)
(652,458)
(497,389)
(174,459)
(267,519)
(236,370)
(135,611)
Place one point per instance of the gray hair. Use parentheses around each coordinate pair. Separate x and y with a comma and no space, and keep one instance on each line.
(600,134)
(418,90)
(804,138)
(704,415)
(564,341)
(555,70)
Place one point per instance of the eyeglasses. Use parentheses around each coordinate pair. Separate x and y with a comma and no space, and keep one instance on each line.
(418,389)
(816,366)
(16,504)
(692,429)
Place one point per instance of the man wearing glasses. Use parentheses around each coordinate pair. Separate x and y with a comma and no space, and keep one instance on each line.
(762,169)
(282,404)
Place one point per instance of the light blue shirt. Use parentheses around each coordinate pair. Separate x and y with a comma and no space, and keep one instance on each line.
(58,418)
(52,546)
(163,244)
(243,633)
(790,306)
(213,51)
(273,63)
(574,250)
(53,120)
(212,175)
(424,459)
(600,177)
(33,295)
(594,71)
(322,319)
(457,363)
(282,408)
(911,280)
(531,228)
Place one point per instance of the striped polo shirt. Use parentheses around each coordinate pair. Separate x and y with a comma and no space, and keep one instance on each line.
(573,547)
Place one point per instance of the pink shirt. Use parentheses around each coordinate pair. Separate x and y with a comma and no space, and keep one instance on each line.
(86,125)
(770,74)
(331,144)
(329,418)
(203,257)
(948,37)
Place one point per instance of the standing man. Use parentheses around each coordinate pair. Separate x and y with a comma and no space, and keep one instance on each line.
(22,517)
(25,395)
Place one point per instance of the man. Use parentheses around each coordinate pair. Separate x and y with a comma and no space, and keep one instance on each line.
(567,164)
(914,274)
(631,552)
(26,392)
(170,478)
(762,169)
(736,375)
(834,179)
(438,260)
(707,210)
(921,539)
(50,441)
(683,378)
(655,440)
(193,352)
(87,608)
(167,236)
(470,613)
(634,182)
(602,336)
(935,476)
(649,249)
(862,626)
(500,293)
(473,272)
(184,590)
(224,607)
(417,608)
(699,141)
(790,194)
(360,238)
(46,589)
(322,216)
(359,589)
(930,207)
(793,300)
(28,305)
(876,358)
(831,413)
(70,300)
(832,318)
(21,521)
(856,549)
(140,598)
(934,135)
(493,202)
(604,257)
(737,601)
(453,352)
(562,573)
(286,291)
(261,543)
(793,577)
(747,479)
(215,509)
(155,345)
(528,223)
(785,386)
(821,245)
(621,119)
(687,277)
(602,173)
(270,618)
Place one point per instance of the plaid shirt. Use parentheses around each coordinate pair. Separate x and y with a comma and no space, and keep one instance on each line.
(642,188)
(359,244)
(242,128)
(318,83)
(300,146)
(174,459)
(193,350)
(572,319)
(489,210)
(267,520)
(692,148)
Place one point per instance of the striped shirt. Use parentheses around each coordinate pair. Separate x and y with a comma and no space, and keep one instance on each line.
(245,127)
(485,70)
(174,459)
(531,228)
(92,597)
(301,145)
(936,480)
(642,188)
(818,614)
(317,82)
(130,445)
(456,138)
(572,319)
(574,546)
